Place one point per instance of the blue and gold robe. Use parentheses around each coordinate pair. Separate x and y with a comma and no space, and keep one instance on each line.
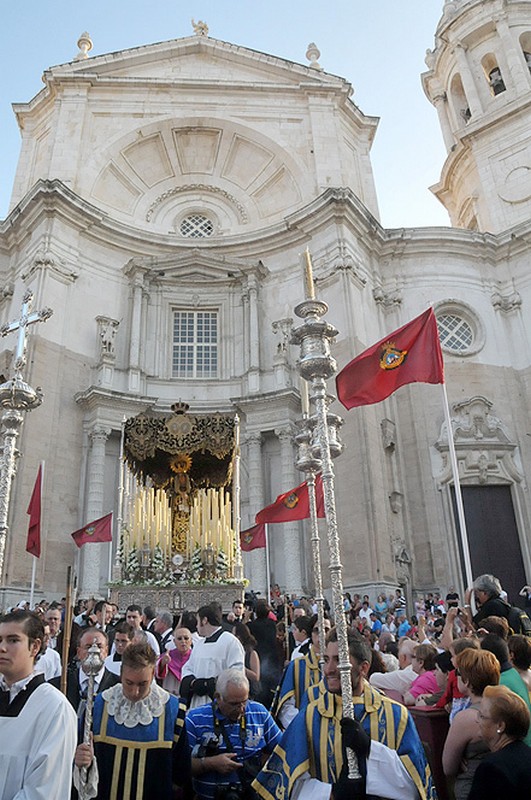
(299,675)
(141,762)
(312,743)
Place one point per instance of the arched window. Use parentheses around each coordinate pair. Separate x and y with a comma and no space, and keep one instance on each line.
(525,44)
(493,74)
(459,102)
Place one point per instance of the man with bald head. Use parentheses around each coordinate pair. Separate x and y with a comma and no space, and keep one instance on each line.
(77,679)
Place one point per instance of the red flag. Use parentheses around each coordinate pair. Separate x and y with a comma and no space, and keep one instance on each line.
(293,505)
(412,354)
(33,543)
(97,531)
(253,538)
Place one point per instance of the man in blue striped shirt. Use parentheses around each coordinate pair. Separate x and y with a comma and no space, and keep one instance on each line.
(230,738)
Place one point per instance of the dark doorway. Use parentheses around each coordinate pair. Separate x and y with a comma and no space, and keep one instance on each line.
(493,537)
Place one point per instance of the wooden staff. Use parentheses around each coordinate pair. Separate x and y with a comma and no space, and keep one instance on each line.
(67,629)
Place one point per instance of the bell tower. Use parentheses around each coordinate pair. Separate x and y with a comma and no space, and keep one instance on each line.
(479,80)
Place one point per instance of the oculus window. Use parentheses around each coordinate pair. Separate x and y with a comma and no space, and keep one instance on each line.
(460,329)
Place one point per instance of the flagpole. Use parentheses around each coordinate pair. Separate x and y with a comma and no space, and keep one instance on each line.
(32,588)
(34,563)
(458,494)
(268,573)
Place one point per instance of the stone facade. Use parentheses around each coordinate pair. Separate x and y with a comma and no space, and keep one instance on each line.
(181,182)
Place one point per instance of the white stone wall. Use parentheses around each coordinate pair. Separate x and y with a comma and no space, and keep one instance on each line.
(110,269)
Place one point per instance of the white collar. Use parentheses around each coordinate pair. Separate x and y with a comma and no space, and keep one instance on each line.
(130,714)
(16,687)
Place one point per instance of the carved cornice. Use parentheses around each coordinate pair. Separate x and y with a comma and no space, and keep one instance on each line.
(506,299)
(57,267)
(484,450)
(194,188)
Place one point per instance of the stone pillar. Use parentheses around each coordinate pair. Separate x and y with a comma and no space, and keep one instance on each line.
(467,78)
(441,106)
(514,55)
(136,274)
(256,559)
(290,530)
(92,554)
(254,335)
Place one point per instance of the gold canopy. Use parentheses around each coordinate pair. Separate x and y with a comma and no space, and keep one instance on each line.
(160,446)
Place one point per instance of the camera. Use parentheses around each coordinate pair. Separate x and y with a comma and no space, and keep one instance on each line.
(209,746)
(241,791)
(232,791)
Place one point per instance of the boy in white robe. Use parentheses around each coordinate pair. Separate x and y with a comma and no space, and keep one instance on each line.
(38,727)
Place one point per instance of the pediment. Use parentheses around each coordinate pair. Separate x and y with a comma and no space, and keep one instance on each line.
(196,59)
(195,267)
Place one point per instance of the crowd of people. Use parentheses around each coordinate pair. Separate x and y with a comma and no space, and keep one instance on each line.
(248,703)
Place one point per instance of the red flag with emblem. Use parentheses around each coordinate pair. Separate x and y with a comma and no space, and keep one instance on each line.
(253,538)
(412,354)
(98,531)
(33,542)
(293,505)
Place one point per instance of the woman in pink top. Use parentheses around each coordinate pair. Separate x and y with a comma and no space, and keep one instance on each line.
(423,663)
(170,664)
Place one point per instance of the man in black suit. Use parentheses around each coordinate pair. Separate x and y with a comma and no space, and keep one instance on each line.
(77,679)
(53,618)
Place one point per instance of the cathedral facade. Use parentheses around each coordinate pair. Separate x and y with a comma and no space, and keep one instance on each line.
(163,199)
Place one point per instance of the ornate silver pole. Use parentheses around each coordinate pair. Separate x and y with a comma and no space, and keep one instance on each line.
(236,511)
(16,396)
(315,365)
(91,666)
(310,465)
(116,569)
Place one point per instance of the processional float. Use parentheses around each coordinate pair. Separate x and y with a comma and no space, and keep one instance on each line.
(179,509)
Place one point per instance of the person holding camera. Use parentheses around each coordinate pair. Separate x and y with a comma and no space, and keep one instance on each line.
(229,740)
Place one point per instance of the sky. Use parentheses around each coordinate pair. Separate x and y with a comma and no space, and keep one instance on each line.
(377,45)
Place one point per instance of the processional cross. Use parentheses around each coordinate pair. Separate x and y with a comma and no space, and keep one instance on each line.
(16,396)
(27,317)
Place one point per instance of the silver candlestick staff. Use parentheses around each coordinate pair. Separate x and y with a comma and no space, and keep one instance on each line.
(315,365)
(91,666)
(309,461)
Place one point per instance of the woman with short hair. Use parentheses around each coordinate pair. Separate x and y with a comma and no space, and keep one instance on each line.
(464,748)
(505,771)
(423,663)
(520,655)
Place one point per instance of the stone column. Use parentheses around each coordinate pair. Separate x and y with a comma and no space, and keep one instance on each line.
(254,335)
(514,55)
(93,553)
(440,103)
(467,78)
(136,274)
(256,559)
(290,530)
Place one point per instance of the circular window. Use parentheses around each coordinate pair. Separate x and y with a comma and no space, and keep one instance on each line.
(460,330)
(196,226)
(455,332)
